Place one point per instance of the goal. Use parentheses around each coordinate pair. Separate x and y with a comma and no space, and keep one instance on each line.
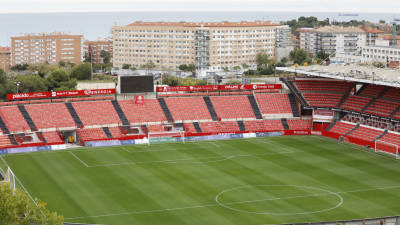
(343,139)
(387,147)
(9,177)
(165,136)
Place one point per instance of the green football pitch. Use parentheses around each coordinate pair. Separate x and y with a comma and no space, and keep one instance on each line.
(256,181)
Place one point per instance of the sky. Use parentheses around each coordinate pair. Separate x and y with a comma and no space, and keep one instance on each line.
(356,6)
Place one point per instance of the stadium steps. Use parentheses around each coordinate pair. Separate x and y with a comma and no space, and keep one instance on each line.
(254,105)
(381,135)
(41,137)
(395,112)
(120,113)
(351,131)
(165,109)
(211,108)
(241,125)
(74,114)
(331,125)
(3,127)
(12,139)
(293,104)
(374,99)
(197,127)
(361,89)
(293,89)
(285,124)
(344,98)
(107,132)
(27,117)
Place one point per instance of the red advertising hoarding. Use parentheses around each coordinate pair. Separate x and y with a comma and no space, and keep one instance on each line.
(219,87)
(60,94)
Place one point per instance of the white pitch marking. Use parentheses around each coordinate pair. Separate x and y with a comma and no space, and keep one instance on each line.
(76,157)
(220,159)
(214,205)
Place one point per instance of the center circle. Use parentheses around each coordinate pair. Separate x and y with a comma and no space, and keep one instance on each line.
(279,199)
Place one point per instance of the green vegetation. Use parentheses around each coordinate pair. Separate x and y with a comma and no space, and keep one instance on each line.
(176,81)
(17,209)
(43,77)
(311,22)
(300,56)
(187,68)
(274,180)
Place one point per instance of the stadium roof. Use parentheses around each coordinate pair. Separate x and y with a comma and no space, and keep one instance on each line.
(356,73)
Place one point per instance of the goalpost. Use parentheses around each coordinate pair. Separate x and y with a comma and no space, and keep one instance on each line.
(164,136)
(9,177)
(386,147)
(343,139)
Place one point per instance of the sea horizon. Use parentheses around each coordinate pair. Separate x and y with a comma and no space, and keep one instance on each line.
(97,25)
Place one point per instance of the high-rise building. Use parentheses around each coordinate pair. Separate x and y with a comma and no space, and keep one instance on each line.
(93,50)
(5,57)
(210,46)
(51,48)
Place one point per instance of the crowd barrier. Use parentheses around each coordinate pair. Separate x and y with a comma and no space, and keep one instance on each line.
(33,149)
(197,137)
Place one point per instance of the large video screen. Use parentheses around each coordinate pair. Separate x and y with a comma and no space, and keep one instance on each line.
(136,84)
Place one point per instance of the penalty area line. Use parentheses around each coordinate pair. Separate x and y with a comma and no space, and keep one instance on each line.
(80,160)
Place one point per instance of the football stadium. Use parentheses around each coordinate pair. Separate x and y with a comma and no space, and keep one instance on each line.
(311,148)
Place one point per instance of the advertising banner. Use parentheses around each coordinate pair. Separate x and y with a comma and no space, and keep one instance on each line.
(3,151)
(60,94)
(219,87)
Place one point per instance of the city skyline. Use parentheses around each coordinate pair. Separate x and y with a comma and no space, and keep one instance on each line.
(357,6)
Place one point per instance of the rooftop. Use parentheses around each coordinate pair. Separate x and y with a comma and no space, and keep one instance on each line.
(5,49)
(356,73)
(207,24)
(340,29)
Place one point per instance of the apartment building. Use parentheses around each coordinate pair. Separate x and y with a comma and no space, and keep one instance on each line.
(307,39)
(333,39)
(372,34)
(51,48)
(210,46)
(381,53)
(5,57)
(93,50)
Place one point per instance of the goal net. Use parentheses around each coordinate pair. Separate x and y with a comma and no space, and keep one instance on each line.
(167,136)
(343,139)
(387,147)
(9,177)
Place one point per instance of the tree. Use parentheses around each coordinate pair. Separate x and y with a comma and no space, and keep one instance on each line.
(322,56)
(106,56)
(183,67)
(236,68)
(20,67)
(59,80)
(126,66)
(31,83)
(82,71)
(191,68)
(149,65)
(298,56)
(16,208)
(245,66)
(262,59)
(87,58)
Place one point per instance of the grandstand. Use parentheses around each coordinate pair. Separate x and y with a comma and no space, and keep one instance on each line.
(354,112)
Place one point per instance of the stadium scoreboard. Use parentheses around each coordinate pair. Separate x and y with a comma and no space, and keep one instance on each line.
(136,84)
